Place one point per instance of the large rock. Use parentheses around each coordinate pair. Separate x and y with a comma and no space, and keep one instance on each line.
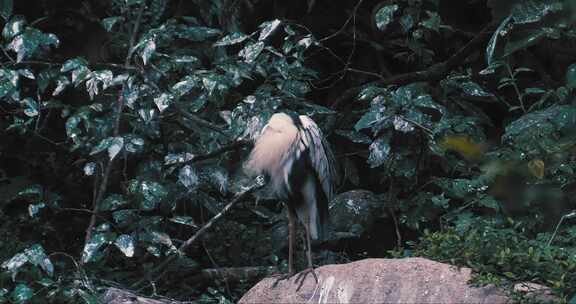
(410,280)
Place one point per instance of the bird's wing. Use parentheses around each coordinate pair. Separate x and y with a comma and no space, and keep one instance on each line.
(321,156)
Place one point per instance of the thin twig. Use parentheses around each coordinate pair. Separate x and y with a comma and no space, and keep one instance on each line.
(116,131)
(231,147)
(437,71)
(161,268)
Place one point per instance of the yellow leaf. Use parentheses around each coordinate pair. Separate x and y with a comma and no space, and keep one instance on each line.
(536,167)
(464,145)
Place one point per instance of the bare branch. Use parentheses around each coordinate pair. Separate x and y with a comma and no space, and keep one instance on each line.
(161,268)
(119,109)
(435,72)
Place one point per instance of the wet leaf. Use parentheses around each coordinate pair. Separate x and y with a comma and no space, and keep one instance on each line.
(147,51)
(91,248)
(268,28)
(188,177)
(571,76)
(231,39)
(108,23)
(30,107)
(6,9)
(113,202)
(22,294)
(163,101)
(126,244)
(13,27)
(251,51)
(198,33)
(355,137)
(367,120)
(385,15)
(379,151)
(184,220)
(34,209)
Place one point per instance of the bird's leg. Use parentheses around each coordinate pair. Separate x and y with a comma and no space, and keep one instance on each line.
(302,275)
(291,236)
(291,239)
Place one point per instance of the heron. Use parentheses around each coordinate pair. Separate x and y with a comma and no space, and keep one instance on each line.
(293,155)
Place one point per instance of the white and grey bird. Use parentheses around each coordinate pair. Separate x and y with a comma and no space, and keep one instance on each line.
(292,153)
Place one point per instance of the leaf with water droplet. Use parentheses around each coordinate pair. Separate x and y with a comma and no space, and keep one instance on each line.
(22,294)
(188,177)
(30,107)
(251,51)
(231,39)
(268,28)
(92,247)
(379,151)
(126,244)
(163,101)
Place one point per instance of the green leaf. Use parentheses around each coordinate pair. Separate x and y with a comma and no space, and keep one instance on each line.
(197,33)
(147,51)
(570,76)
(385,15)
(251,51)
(113,202)
(151,193)
(531,11)
(502,30)
(163,101)
(34,255)
(34,209)
(268,29)
(61,84)
(30,107)
(38,257)
(13,27)
(355,137)
(188,177)
(433,22)
(113,144)
(367,120)
(231,39)
(184,220)
(6,9)
(8,82)
(379,151)
(22,294)
(126,244)
(92,247)
(26,44)
(73,64)
(108,23)
(440,201)
(489,202)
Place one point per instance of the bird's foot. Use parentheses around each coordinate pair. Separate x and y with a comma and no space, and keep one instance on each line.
(282,276)
(301,277)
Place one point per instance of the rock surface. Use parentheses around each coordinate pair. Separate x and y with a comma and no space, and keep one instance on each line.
(409,280)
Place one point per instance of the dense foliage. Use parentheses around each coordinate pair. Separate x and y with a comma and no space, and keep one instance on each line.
(124,124)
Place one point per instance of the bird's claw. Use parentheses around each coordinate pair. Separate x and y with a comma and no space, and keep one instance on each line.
(282,277)
(301,277)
